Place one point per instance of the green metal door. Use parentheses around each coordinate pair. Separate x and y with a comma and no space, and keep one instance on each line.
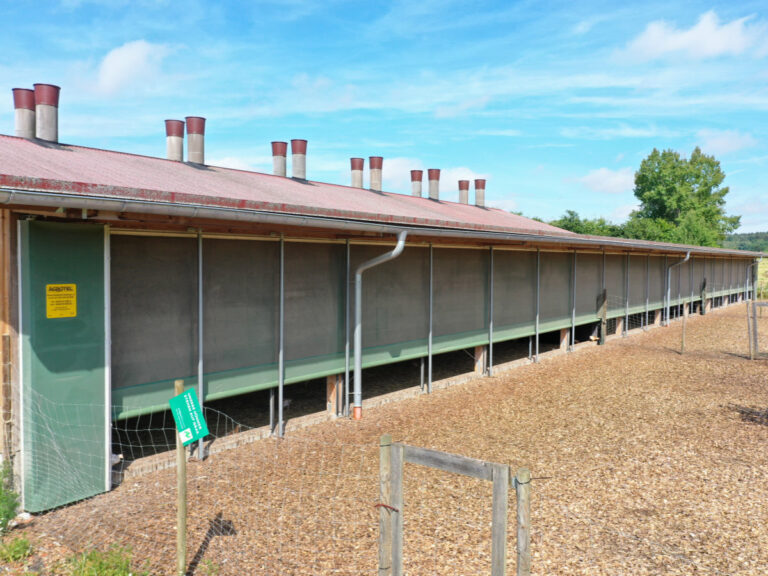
(63,398)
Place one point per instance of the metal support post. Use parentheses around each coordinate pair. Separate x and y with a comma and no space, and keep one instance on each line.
(346,332)
(669,281)
(647,288)
(573,303)
(200,328)
(626,297)
(538,298)
(490,319)
(429,336)
(107,359)
(281,344)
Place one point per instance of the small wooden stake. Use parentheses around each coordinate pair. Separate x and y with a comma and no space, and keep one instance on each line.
(181,497)
(523,488)
(603,313)
(499,523)
(685,317)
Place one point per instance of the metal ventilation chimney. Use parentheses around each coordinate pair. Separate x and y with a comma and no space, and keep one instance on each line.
(480,192)
(299,162)
(464,191)
(434,183)
(357,165)
(279,152)
(416,177)
(376,163)
(196,139)
(24,103)
(47,112)
(174,140)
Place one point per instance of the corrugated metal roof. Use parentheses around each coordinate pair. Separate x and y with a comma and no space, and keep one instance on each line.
(37,165)
(90,173)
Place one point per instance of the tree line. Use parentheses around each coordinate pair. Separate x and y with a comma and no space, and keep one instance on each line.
(682,200)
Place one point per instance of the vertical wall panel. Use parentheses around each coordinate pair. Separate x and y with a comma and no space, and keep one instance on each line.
(656,273)
(615,277)
(589,285)
(555,290)
(514,290)
(637,283)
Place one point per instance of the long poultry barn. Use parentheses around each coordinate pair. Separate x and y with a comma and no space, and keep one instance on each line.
(123,273)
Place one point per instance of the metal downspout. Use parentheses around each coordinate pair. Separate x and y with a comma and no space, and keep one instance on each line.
(669,280)
(490,321)
(431,300)
(346,336)
(357,408)
(750,278)
(281,351)
(573,304)
(538,298)
(626,299)
(647,288)
(200,328)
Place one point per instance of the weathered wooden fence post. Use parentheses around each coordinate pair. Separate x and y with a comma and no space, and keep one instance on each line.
(754,348)
(523,489)
(396,496)
(385,500)
(499,522)
(685,317)
(181,497)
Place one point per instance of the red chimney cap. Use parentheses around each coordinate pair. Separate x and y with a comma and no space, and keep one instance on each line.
(24,98)
(195,125)
(463,184)
(357,163)
(279,148)
(376,162)
(174,128)
(299,147)
(417,175)
(434,173)
(47,94)
(480,183)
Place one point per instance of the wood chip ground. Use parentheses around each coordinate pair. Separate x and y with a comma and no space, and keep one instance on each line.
(645,461)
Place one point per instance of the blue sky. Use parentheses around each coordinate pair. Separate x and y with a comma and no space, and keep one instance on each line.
(555,103)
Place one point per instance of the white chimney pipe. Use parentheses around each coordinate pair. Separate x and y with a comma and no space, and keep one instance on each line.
(24,104)
(464,191)
(416,177)
(174,140)
(357,165)
(47,112)
(480,192)
(434,183)
(299,161)
(376,163)
(196,139)
(279,152)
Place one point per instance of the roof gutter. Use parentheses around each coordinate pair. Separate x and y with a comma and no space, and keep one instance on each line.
(190,210)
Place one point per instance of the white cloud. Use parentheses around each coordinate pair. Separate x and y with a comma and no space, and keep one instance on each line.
(620,131)
(706,39)
(132,65)
(721,142)
(501,132)
(621,213)
(609,181)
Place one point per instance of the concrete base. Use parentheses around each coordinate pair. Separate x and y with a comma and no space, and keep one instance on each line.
(481,357)
(657,315)
(564,338)
(333,385)
(707,305)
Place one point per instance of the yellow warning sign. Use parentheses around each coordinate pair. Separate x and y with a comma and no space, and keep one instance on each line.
(60,300)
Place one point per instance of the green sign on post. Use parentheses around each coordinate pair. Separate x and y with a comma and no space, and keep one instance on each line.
(190,422)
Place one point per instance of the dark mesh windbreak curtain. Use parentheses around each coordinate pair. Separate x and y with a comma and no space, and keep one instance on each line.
(555,311)
(589,286)
(656,279)
(154,314)
(674,279)
(314,309)
(395,304)
(615,271)
(460,298)
(240,307)
(685,281)
(720,274)
(514,294)
(711,276)
(637,283)
(699,272)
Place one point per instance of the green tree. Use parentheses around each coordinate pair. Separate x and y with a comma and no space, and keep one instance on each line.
(682,200)
(594,227)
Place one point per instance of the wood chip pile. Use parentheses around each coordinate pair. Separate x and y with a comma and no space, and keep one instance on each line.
(644,461)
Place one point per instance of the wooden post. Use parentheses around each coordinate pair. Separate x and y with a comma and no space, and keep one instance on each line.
(396,496)
(385,498)
(499,522)
(564,334)
(749,332)
(181,497)
(753,351)
(685,318)
(603,313)
(480,356)
(523,489)
(332,385)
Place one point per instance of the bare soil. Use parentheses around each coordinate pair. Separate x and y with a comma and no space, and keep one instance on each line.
(645,461)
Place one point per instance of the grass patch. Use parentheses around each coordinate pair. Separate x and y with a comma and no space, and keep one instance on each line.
(15,550)
(114,562)
(9,500)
